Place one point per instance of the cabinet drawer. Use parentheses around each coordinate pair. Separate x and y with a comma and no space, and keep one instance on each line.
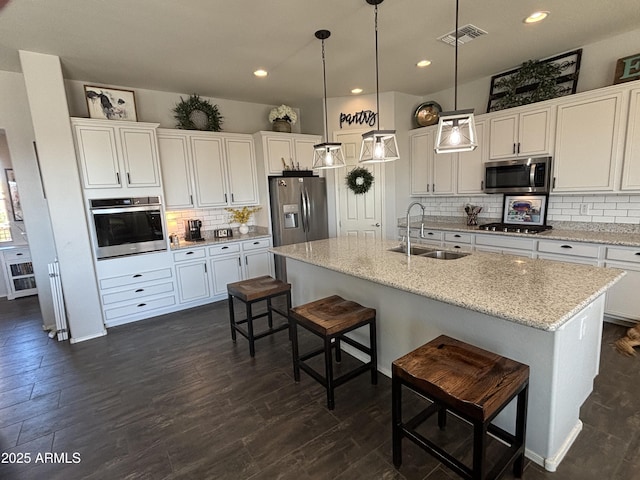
(190,254)
(457,237)
(624,255)
(135,278)
(255,244)
(432,234)
(136,293)
(21,254)
(141,307)
(506,242)
(569,248)
(224,249)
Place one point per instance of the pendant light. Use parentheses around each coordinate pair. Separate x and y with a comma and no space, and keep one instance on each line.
(326,155)
(378,145)
(456,129)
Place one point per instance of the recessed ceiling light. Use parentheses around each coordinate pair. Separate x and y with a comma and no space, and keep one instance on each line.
(260,73)
(423,63)
(356,91)
(536,17)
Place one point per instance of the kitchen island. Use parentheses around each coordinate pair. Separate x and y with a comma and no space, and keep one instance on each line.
(543,313)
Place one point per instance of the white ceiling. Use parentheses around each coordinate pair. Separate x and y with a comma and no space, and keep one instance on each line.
(211,47)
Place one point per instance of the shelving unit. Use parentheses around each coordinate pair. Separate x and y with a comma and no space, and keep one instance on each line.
(18,272)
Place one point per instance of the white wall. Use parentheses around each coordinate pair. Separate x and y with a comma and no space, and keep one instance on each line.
(15,120)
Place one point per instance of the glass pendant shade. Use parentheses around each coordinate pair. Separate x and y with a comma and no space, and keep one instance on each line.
(379,146)
(328,155)
(456,132)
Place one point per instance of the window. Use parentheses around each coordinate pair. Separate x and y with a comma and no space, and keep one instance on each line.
(5,226)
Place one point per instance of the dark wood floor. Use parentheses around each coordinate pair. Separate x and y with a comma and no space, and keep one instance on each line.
(174,398)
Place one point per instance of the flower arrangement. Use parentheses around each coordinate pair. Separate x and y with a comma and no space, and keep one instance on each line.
(242,215)
(283,112)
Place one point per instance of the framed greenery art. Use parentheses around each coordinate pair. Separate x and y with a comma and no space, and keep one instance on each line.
(535,81)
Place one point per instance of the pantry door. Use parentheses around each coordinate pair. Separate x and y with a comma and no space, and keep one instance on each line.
(360,215)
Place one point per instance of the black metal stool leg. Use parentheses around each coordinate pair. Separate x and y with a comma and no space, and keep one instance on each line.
(338,350)
(269,314)
(288,295)
(232,320)
(479,447)
(396,419)
(252,340)
(328,366)
(293,330)
(442,418)
(374,352)
(521,415)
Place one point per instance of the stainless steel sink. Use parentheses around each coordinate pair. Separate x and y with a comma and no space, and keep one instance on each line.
(415,249)
(422,251)
(444,255)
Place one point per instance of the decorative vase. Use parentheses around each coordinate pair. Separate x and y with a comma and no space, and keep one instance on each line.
(243,228)
(280,125)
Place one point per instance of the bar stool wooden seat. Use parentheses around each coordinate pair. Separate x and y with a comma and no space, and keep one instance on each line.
(330,319)
(250,292)
(472,383)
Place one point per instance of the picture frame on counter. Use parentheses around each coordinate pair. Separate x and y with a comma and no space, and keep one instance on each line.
(525,209)
(110,103)
(16,206)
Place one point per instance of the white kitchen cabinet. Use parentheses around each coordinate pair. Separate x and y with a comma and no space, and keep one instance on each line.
(115,155)
(471,164)
(458,241)
(623,301)
(192,274)
(588,137)
(430,173)
(18,272)
(631,168)
(292,148)
(521,134)
(522,247)
(207,169)
(573,252)
(258,261)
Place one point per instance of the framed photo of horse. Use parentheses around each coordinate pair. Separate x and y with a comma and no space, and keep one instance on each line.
(110,104)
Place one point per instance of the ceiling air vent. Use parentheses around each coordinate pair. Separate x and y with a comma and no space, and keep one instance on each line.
(465,35)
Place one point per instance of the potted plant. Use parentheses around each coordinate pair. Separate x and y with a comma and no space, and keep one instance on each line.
(242,216)
(282,118)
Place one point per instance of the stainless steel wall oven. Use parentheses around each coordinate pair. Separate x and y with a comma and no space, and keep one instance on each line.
(127,226)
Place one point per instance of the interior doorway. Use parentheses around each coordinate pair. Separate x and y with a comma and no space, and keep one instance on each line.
(359,215)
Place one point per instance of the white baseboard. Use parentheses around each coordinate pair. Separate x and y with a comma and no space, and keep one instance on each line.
(88,337)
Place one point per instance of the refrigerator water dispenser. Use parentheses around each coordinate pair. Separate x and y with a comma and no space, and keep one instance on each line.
(290,213)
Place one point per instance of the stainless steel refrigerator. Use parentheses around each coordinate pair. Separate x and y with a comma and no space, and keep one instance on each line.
(298,213)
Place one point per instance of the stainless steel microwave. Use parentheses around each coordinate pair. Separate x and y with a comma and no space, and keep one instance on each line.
(519,175)
(127,226)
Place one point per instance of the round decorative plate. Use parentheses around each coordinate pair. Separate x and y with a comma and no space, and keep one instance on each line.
(427,114)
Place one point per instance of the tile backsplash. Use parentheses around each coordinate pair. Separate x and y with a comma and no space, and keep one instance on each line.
(610,208)
(211,219)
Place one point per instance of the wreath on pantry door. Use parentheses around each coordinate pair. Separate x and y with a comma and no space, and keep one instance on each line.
(359,180)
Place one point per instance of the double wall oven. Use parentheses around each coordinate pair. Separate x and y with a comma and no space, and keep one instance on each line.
(127,226)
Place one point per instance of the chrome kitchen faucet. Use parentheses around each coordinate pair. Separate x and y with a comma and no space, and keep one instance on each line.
(411,205)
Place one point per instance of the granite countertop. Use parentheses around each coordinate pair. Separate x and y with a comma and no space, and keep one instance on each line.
(209,239)
(627,239)
(542,294)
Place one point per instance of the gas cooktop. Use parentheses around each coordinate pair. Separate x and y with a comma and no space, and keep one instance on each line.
(506,227)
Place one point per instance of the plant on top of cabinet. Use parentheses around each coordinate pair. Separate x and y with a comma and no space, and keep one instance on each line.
(197,114)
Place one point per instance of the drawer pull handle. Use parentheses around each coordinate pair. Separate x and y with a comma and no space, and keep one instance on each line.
(137,275)
(566,246)
(637,253)
(457,246)
(142,305)
(256,243)
(189,253)
(19,254)
(140,290)
(429,233)
(456,236)
(224,248)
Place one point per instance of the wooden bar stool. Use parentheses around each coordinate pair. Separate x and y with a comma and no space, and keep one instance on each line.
(472,383)
(256,290)
(331,318)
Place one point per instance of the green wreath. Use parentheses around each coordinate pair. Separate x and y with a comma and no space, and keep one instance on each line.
(359,180)
(197,114)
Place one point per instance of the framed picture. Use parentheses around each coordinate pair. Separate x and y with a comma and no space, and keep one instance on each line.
(13,194)
(525,209)
(535,81)
(110,104)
